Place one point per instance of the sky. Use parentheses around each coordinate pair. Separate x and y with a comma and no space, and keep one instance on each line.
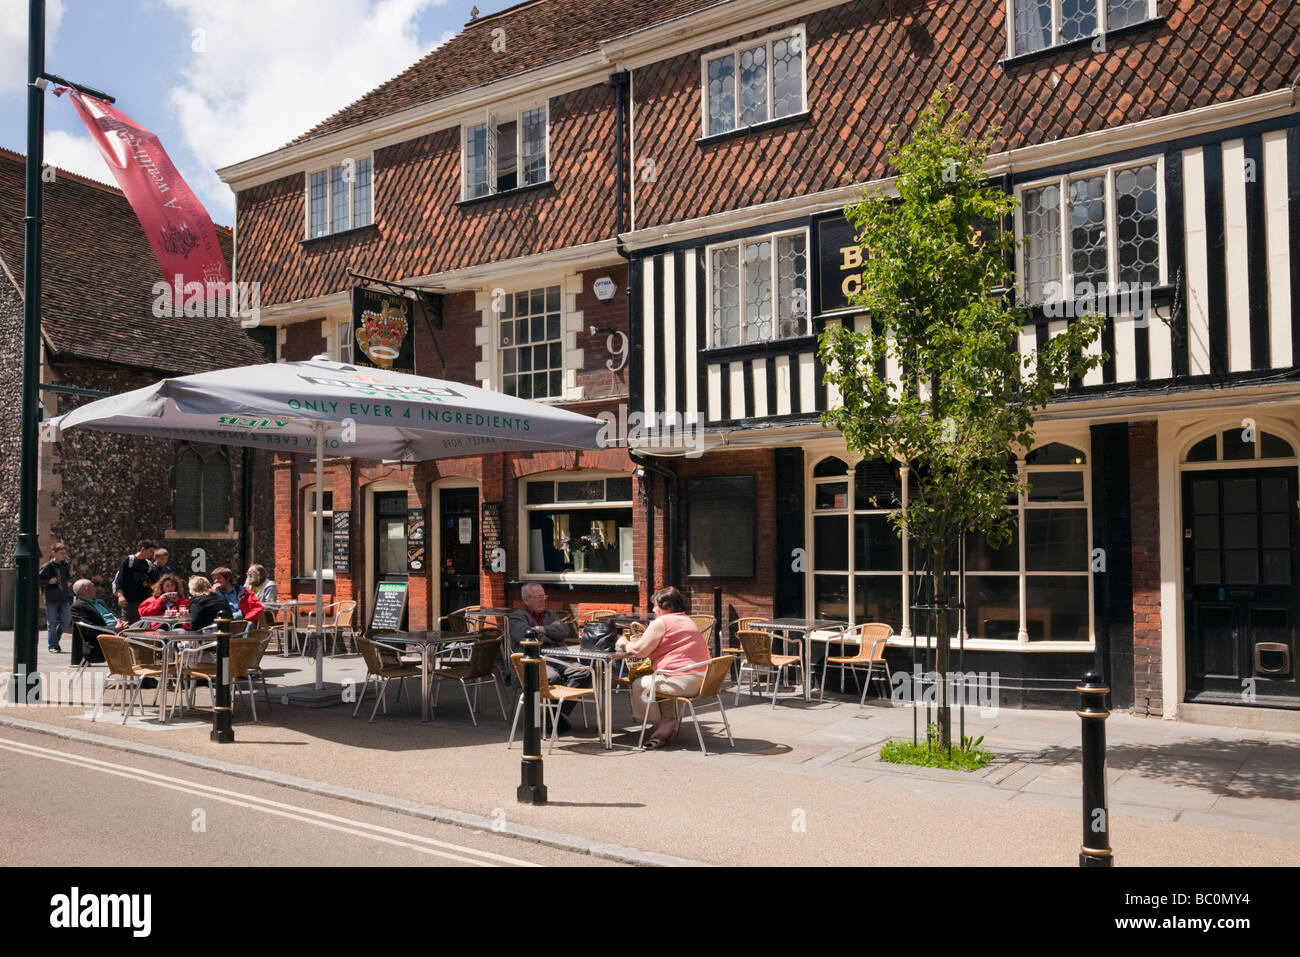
(218,81)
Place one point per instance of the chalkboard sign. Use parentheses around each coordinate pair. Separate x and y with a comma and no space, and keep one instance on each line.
(490,531)
(389,607)
(720,526)
(342,541)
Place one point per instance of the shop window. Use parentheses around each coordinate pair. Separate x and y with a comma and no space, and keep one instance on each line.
(856,554)
(202,501)
(578,525)
(1238,444)
(310,506)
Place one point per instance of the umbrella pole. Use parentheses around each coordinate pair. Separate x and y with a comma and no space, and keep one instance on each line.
(319,428)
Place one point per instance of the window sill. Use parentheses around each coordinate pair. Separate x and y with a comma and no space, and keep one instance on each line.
(1066,310)
(544,184)
(757,350)
(582,578)
(175,534)
(790,120)
(1019,59)
(341,234)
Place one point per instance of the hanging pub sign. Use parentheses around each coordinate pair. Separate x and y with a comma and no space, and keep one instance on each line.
(382,330)
(415,540)
(839,263)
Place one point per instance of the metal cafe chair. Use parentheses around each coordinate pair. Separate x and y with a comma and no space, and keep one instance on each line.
(383,661)
(480,669)
(757,646)
(126,672)
(711,687)
(552,697)
(873,637)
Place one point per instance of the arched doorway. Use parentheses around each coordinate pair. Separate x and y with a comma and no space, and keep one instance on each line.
(1241,567)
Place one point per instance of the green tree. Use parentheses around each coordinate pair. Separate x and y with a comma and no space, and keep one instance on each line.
(934,282)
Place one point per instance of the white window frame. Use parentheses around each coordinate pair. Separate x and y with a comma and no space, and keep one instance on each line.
(740,244)
(498,318)
(734,52)
(493,121)
(1112,232)
(908,577)
(330,226)
(1102,26)
(309,534)
(582,476)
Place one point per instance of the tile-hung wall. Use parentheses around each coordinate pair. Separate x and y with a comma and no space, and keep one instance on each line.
(1221,300)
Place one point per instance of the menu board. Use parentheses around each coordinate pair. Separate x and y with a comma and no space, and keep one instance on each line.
(342,541)
(388,607)
(415,551)
(490,530)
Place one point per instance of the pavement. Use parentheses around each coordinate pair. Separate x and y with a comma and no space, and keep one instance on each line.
(802,786)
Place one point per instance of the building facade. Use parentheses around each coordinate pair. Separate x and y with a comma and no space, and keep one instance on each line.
(101,332)
(1154,146)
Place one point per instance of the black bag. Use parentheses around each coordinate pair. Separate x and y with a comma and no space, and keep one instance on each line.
(599,635)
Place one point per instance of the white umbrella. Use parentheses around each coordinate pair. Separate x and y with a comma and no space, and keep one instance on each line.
(319,406)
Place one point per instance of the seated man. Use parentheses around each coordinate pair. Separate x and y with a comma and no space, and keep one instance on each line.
(551,631)
(243,603)
(89,610)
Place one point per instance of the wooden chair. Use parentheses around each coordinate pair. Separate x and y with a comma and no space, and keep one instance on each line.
(873,637)
(245,656)
(126,672)
(711,687)
(383,661)
(552,697)
(705,624)
(480,669)
(757,646)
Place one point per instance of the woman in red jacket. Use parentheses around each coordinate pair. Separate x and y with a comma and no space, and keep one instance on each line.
(168,599)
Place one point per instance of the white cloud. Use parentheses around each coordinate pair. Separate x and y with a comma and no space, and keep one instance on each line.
(13,42)
(263,73)
(76,154)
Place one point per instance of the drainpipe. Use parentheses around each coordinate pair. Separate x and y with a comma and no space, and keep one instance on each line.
(643,467)
(620,82)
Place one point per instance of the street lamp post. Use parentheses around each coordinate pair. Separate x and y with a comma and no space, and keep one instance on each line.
(27,551)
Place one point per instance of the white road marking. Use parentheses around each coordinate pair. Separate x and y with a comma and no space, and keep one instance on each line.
(375,832)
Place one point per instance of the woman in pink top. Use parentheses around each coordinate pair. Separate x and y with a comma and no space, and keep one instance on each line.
(672,642)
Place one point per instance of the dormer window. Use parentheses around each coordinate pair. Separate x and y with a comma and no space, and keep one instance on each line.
(339,198)
(1039,24)
(754,82)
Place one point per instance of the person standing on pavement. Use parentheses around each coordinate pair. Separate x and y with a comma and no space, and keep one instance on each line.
(54,577)
(134,581)
(159,567)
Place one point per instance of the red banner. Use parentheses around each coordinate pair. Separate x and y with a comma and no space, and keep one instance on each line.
(177,226)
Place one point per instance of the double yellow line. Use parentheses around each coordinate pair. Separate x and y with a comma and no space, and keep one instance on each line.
(373,832)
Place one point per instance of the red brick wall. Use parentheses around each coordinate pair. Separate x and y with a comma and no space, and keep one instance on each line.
(873,65)
(1144,488)
(595,377)
(419,228)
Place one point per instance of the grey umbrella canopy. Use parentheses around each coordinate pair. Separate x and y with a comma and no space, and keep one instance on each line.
(329,408)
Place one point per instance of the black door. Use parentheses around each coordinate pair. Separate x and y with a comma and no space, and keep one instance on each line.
(460,552)
(390,538)
(1240,535)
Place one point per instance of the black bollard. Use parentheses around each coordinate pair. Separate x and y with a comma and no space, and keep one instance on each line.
(531,788)
(223,730)
(1095,850)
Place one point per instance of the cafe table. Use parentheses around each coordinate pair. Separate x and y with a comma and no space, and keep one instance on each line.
(290,621)
(802,627)
(168,643)
(603,662)
(425,641)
